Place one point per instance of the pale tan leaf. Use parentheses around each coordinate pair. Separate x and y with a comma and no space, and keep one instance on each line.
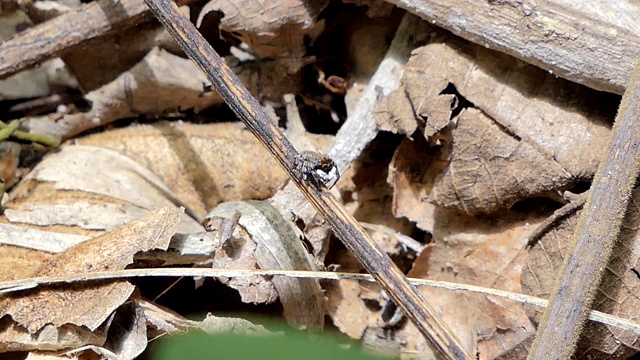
(90,188)
(203,165)
(48,241)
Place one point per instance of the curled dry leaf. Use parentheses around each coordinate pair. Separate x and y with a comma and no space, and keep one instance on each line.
(618,291)
(263,238)
(67,311)
(196,163)
(552,119)
(89,188)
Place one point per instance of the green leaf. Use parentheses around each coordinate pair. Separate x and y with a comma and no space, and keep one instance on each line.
(229,346)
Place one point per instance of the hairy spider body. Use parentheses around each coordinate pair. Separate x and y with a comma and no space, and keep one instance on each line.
(317,169)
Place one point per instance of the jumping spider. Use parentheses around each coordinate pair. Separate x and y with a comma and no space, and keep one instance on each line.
(316,168)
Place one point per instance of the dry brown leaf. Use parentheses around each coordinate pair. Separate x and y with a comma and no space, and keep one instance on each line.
(618,293)
(412,173)
(555,118)
(89,188)
(203,165)
(70,309)
(489,169)
(483,252)
(271,28)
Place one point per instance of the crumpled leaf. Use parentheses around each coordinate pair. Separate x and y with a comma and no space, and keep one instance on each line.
(618,293)
(555,118)
(83,306)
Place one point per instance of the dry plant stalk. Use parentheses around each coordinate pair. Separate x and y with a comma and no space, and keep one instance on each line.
(346,227)
(595,235)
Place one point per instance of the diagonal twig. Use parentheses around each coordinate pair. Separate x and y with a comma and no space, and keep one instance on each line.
(345,226)
(595,235)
